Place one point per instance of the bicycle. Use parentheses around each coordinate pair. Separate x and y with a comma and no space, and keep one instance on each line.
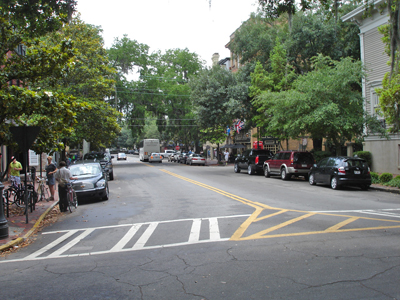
(72,199)
(42,190)
(14,194)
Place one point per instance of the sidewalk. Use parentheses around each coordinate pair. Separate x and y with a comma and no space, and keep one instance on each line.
(18,230)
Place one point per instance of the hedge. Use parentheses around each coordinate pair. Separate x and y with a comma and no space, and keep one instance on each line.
(385,177)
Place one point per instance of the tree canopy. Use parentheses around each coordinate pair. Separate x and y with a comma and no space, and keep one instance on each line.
(24,62)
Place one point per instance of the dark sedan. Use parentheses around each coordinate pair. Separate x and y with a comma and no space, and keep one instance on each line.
(105,160)
(92,180)
(341,171)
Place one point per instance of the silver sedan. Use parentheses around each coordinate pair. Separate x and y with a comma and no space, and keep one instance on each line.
(155,157)
(195,159)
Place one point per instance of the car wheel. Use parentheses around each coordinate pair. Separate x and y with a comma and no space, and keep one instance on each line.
(250,170)
(311,179)
(334,183)
(160,161)
(306,177)
(267,174)
(111,176)
(284,174)
(236,168)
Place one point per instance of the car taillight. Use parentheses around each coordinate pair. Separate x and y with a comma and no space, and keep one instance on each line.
(369,170)
(341,170)
(257,160)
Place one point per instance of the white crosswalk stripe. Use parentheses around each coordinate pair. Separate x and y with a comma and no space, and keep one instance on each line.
(67,244)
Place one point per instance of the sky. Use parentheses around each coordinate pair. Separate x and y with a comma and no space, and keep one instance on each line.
(170,24)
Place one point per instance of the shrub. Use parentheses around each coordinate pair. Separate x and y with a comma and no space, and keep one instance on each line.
(364,155)
(395,182)
(374,177)
(385,177)
(318,155)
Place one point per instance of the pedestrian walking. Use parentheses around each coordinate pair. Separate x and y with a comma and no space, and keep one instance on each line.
(14,170)
(226,153)
(63,176)
(51,169)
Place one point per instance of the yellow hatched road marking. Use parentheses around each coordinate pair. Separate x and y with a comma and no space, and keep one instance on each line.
(260,207)
(341,224)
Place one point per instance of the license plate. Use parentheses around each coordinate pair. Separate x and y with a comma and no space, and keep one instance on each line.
(357,172)
(304,166)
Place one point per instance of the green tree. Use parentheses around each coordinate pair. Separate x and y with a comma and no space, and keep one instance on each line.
(218,100)
(255,39)
(326,103)
(24,62)
(272,112)
(90,80)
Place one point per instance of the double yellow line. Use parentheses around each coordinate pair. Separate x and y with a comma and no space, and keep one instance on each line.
(260,207)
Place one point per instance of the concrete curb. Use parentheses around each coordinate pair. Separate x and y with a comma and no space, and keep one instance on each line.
(30,232)
(385,189)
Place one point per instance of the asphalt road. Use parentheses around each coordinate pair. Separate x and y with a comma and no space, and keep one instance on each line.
(171,231)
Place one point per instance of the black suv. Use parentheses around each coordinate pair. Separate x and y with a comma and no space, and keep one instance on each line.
(289,163)
(105,160)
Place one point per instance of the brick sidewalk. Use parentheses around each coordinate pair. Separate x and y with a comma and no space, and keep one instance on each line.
(18,229)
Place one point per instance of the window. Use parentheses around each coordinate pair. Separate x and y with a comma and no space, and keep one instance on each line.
(323,162)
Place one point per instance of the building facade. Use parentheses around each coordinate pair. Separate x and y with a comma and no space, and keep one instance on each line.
(385,152)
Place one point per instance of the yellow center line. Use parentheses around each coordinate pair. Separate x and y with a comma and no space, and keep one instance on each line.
(259,207)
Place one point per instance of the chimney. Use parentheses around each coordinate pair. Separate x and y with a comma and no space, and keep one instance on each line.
(215,59)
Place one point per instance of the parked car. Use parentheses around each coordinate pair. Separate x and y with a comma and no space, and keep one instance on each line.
(341,171)
(289,163)
(121,156)
(155,157)
(182,158)
(195,159)
(92,180)
(105,159)
(167,153)
(252,160)
(174,157)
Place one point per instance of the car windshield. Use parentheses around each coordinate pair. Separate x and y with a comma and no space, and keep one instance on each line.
(89,169)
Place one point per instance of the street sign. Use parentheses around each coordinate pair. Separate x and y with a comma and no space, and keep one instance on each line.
(25,136)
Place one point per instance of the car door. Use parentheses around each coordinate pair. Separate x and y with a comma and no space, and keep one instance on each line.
(243,159)
(328,171)
(318,177)
(274,162)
